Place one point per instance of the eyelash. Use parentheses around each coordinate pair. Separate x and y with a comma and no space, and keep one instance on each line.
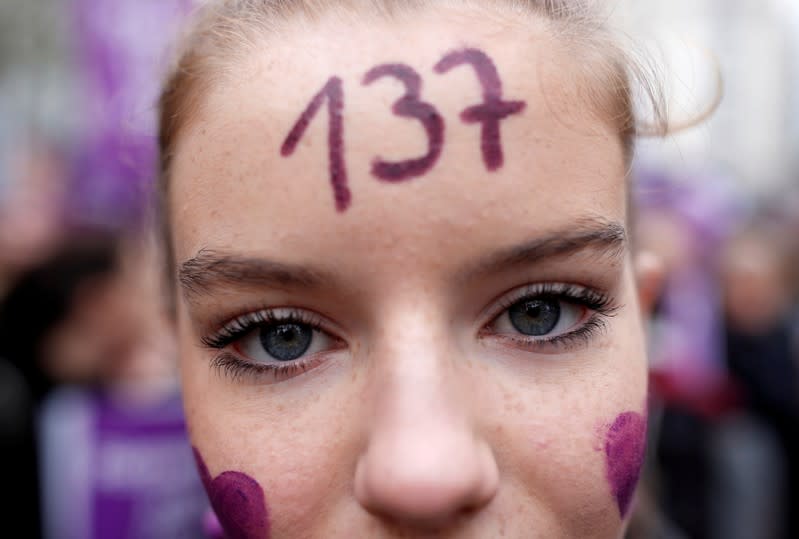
(241,326)
(601,305)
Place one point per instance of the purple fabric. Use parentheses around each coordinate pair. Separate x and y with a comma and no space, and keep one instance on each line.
(689,333)
(123,51)
(118,471)
(144,483)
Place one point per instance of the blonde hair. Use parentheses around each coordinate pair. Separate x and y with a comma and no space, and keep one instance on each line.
(227,30)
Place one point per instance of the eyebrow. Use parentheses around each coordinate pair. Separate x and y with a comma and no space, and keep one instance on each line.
(600,237)
(209,270)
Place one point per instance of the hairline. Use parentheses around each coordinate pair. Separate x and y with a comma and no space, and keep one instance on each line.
(259,31)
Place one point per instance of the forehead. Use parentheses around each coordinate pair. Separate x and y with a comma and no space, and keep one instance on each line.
(232,187)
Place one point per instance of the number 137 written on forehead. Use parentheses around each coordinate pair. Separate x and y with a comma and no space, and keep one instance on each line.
(488,114)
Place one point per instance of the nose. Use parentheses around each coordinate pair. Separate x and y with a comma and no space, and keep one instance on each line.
(424,465)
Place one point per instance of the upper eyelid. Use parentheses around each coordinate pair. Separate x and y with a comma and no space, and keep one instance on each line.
(315,320)
(505,300)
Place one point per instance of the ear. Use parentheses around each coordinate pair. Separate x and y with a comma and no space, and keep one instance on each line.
(649,275)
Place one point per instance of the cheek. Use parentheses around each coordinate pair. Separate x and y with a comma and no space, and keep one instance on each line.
(577,447)
(563,473)
(295,447)
(238,501)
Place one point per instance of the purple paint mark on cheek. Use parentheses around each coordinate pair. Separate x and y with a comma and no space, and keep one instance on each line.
(238,501)
(625,446)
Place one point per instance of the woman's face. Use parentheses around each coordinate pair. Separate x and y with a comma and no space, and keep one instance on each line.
(449,344)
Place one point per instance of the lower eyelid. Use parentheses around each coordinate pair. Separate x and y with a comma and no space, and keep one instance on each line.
(238,369)
(255,319)
(563,342)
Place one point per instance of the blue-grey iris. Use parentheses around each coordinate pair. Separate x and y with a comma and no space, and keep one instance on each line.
(286,342)
(535,317)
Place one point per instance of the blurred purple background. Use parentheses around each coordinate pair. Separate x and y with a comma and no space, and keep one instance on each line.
(83,329)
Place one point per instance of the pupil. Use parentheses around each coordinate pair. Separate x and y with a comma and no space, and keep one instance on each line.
(535,317)
(286,342)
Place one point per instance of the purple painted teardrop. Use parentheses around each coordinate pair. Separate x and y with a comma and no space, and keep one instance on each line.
(238,501)
(625,446)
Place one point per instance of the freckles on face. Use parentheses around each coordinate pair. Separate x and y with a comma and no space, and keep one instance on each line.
(625,446)
(409,281)
(238,501)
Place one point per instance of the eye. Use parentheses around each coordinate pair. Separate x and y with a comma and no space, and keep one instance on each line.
(550,316)
(539,317)
(272,344)
(283,342)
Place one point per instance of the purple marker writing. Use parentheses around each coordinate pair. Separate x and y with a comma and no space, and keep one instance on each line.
(492,110)
(333,92)
(412,107)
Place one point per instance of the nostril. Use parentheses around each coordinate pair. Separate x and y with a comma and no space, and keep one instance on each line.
(425,493)
(418,505)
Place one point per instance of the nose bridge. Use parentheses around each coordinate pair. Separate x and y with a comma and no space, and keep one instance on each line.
(423,462)
(415,360)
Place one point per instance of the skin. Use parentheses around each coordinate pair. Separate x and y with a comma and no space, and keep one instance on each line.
(417,420)
(756,298)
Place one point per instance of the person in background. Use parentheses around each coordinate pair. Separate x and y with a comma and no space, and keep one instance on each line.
(87,330)
(31,235)
(757,445)
(39,301)
(76,313)
(31,209)
(683,219)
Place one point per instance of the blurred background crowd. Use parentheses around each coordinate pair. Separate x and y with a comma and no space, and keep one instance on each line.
(91,429)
